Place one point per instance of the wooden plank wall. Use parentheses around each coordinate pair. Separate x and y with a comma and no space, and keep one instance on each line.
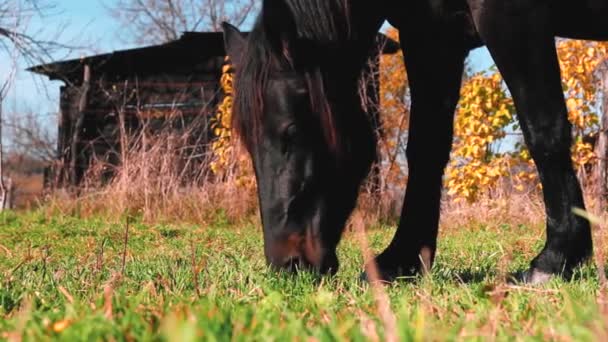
(160,101)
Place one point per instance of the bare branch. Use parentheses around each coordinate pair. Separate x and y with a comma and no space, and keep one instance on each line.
(29,135)
(4,188)
(16,33)
(157,21)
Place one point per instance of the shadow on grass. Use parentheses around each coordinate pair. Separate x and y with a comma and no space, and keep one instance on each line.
(522,276)
(473,276)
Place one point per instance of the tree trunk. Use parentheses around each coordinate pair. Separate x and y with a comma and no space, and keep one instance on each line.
(6,185)
(601,151)
(3,188)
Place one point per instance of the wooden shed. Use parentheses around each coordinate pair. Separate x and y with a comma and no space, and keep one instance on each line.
(179,79)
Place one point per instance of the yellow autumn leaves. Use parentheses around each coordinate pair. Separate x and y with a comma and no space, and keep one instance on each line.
(228,159)
(579,62)
(222,146)
(485,114)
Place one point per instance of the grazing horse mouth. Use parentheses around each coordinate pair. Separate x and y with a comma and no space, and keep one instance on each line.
(300,251)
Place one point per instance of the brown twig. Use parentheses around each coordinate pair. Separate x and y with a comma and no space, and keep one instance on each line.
(66,294)
(6,250)
(108,293)
(371,268)
(25,260)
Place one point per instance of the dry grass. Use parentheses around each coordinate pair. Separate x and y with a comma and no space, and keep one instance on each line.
(162,176)
(187,204)
(28,190)
(152,188)
(515,208)
(499,207)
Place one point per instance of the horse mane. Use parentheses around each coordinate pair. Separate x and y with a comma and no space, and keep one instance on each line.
(319,21)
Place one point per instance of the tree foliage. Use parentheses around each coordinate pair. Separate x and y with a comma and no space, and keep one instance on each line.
(486,113)
(229,159)
(579,62)
(394,115)
(222,145)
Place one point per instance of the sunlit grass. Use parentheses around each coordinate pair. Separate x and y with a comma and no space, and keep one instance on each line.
(61,278)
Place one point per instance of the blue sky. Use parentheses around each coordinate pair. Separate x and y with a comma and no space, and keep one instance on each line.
(89,23)
(85,22)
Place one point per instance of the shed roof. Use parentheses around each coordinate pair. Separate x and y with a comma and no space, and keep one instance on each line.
(192,51)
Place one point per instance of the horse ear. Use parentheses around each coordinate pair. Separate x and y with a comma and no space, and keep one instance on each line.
(280,25)
(234,42)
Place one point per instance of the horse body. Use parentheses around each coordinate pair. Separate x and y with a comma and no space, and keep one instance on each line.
(306,104)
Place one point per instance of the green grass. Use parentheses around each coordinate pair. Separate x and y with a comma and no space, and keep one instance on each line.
(57,275)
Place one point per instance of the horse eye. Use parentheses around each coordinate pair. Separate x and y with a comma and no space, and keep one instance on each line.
(290,132)
(288,137)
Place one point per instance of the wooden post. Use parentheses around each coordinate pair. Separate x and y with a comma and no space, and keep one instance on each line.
(60,172)
(9,195)
(75,162)
(124,140)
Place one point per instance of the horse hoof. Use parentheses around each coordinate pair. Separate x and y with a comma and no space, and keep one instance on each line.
(531,276)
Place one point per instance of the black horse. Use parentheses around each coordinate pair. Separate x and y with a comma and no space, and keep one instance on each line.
(298,112)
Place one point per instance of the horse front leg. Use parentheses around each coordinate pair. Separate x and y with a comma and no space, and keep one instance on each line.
(435,65)
(523,48)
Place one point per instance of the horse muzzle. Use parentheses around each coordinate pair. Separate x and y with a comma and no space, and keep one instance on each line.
(301,251)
